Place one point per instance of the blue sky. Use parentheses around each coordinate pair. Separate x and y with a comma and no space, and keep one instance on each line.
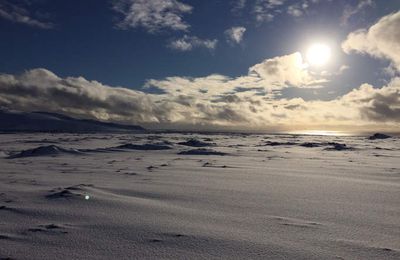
(117,45)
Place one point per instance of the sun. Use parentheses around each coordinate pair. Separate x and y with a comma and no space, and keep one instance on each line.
(318,54)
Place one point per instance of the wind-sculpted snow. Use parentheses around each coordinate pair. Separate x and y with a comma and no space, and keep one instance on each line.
(196,143)
(145,147)
(379,136)
(145,196)
(339,147)
(50,150)
(202,151)
(330,146)
(54,150)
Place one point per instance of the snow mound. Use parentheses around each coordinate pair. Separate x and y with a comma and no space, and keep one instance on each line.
(144,147)
(202,151)
(274,143)
(50,150)
(69,192)
(311,144)
(196,143)
(338,147)
(379,136)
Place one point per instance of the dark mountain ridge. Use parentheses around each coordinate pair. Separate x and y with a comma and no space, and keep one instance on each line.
(15,121)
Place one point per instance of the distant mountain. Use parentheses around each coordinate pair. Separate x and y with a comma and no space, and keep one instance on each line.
(13,121)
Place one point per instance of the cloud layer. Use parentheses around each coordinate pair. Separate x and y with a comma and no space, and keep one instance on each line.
(381,40)
(152,15)
(188,43)
(235,34)
(267,10)
(350,11)
(19,14)
(250,101)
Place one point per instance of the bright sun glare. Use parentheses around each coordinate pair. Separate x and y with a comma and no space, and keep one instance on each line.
(318,54)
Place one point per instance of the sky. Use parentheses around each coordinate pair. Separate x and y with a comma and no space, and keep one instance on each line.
(195,64)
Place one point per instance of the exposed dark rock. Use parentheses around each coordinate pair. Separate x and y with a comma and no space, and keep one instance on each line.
(202,151)
(144,147)
(310,144)
(378,136)
(196,143)
(273,143)
(50,150)
(338,147)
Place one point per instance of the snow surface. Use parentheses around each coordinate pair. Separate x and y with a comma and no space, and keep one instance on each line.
(121,196)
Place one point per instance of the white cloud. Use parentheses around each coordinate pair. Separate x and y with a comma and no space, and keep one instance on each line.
(262,16)
(381,40)
(19,14)
(350,11)
(268,76)
(40,89)
(343,68)
(267,10)
(188,43)
(288,70)
(272,3)
(295,11)
(264,9)
(381,105)
(184,100)
(152,15)
(239,5)
(235,34)
(298,9)
(251,101)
